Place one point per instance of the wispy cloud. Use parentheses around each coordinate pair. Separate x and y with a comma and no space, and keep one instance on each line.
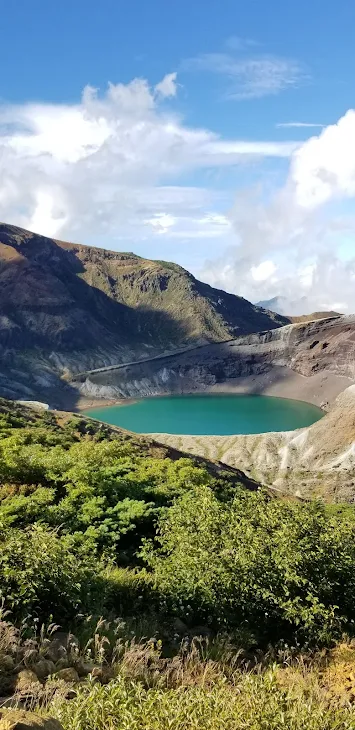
(221,151)
(288,125)
(237,43)
(250,78)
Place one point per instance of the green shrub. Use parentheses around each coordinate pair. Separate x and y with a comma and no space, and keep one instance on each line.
(105,491)
(42,575)
(281,569)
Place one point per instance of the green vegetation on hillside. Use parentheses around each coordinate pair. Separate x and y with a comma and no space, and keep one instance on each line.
(75,494)
(87,506)
(280,570)
(96,521)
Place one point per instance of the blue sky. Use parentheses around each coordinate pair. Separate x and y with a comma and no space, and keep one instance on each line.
(51,50)
(206,159)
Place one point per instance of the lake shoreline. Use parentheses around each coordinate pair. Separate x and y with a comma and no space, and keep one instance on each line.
(320,389)
(203,414)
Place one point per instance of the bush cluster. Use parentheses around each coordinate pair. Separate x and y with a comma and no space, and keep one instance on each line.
(93,519)
(278,569)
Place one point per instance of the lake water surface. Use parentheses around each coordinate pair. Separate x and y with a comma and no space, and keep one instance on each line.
(208,415)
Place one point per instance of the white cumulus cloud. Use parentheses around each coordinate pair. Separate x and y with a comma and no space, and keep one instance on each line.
(109,164)
(167,86)
(323,168)
(288,242)
(263,271)
(161,222)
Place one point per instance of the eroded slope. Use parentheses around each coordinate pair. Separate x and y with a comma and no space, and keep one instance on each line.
(309,462)
(309,349)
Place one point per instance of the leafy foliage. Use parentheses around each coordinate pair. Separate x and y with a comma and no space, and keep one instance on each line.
(82,506)
(103,491)
(42,575)
(279,569)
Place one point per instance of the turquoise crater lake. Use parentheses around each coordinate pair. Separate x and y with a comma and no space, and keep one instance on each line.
(209,415)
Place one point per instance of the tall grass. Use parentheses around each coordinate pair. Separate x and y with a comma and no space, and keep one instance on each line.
(205,687)
(254,702)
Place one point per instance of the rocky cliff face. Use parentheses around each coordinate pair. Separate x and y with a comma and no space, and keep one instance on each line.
(65,308)
(307,348)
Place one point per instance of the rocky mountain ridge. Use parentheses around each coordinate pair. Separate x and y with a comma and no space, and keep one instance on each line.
(65,308)
(307,348)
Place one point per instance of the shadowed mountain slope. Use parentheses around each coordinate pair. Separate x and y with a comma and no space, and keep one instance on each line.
(76,307)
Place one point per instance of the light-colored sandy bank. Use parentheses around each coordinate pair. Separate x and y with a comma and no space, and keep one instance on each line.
(85,403)
(281,382)
(319,460)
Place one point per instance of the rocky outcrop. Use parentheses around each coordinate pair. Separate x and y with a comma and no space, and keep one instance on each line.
(22,720)
(314,315)
(308,348)
(65,308)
